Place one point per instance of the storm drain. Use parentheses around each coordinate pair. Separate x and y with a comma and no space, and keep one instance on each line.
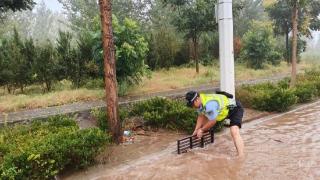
(192,142)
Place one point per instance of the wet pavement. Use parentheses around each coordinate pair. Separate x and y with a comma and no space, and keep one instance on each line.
(285,146)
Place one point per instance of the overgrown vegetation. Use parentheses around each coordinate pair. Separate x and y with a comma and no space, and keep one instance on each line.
(278,96)
(42,149)
(158,112)
(101,117)
(164,113)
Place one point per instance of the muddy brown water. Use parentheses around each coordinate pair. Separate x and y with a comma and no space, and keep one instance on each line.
(285,146)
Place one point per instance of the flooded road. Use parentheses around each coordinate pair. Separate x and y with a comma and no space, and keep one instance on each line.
(285,146)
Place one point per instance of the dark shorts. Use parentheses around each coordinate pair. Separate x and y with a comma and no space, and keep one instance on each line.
(236,115)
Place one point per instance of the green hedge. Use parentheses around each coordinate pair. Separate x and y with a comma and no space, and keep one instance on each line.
(42,149)
(278,96)
(158,113)
(165,113)
(276,99)
(101,117)
(305,91)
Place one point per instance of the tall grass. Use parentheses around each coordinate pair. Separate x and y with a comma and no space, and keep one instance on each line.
(22,101)
(177,77)
(311,57)
(180,77)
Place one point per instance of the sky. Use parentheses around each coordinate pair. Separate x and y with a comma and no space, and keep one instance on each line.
(53,5)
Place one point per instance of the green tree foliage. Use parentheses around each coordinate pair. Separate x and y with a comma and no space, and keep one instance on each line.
(16,5)
(164,41)
(30,52)
(167,46)
(81,12)
(164,47)
(301,47)
(138,10)
(16,68)
(86,66)
(209,47)
(194,18)
(39,24)
(73,58)
(20,67)
(259,46)
(248,10)
(280,12)
(131,51)
(23,62)
(46,65)
(66,55)
(5,72)
(161,31)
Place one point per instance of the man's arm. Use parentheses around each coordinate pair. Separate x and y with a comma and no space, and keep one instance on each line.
(200,123)
(211,113)
(205,128)
(208,125)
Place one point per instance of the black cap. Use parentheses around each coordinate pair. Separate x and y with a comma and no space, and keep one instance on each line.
(190,97)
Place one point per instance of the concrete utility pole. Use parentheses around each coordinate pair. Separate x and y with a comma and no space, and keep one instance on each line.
(226,56)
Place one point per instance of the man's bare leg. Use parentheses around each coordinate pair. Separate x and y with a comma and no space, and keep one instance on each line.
(237,140)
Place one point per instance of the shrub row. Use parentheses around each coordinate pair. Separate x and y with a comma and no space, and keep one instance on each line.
(41,150)
(101,117)
(278,96)
(165,113)
(157,113)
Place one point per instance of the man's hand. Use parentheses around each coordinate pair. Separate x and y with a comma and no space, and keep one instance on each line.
(195,132)
(200,133)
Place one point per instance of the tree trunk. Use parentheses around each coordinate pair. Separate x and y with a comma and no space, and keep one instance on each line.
(22,88)
(9,89)
(191,50)
(294,44)
(110,69)
(195,45)
(48,85)
(287,48)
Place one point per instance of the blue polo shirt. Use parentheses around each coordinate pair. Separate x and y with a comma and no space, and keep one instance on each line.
(211,110)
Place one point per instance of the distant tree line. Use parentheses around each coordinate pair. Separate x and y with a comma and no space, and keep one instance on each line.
(150,35)
(24,62)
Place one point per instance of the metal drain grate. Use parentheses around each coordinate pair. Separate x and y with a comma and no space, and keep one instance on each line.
(192,142)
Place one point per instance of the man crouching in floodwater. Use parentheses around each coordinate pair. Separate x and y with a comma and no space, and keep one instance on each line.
(217,107)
